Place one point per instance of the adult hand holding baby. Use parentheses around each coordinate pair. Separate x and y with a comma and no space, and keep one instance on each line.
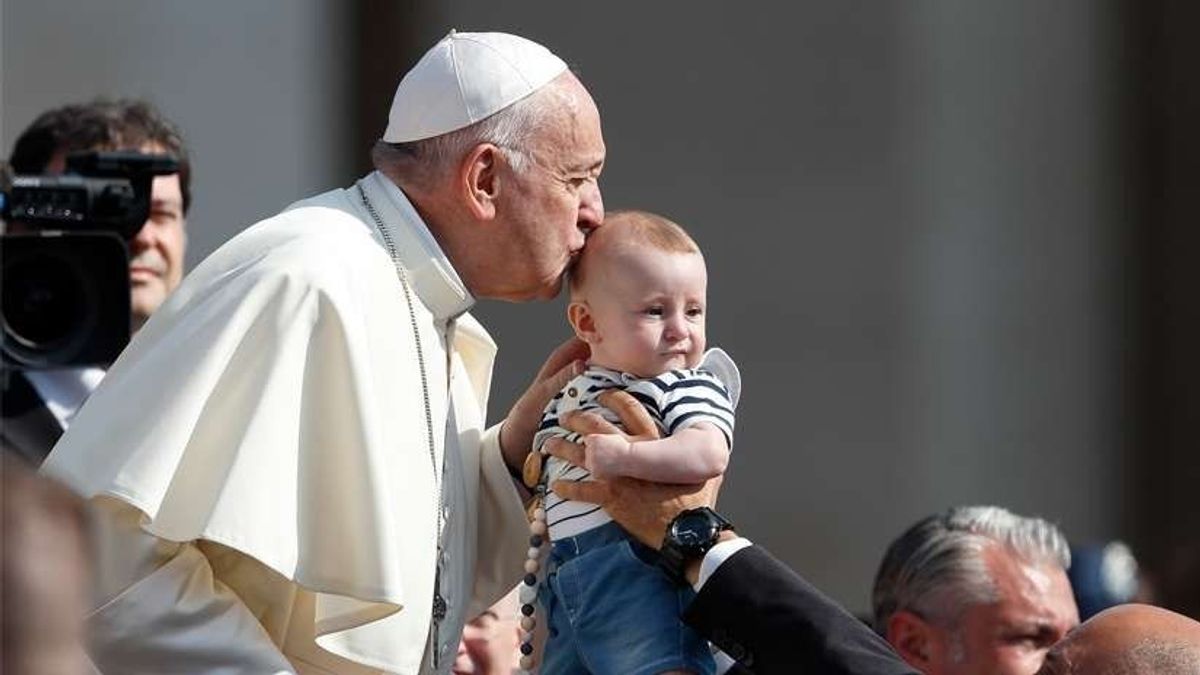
(604,446)
(643,508)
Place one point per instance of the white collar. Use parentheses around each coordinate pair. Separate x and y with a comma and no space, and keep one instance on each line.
(429,270)
(64,390)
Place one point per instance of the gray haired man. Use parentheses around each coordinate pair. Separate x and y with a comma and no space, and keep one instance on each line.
(977,589)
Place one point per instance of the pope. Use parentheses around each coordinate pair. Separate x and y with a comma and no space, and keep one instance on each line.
(289,464)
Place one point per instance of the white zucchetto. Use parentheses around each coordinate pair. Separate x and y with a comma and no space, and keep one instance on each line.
(465,78)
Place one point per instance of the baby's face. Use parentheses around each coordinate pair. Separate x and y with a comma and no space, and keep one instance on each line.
(648,308)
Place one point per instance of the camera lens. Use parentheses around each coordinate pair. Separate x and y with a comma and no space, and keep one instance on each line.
(46,302)
(65,299)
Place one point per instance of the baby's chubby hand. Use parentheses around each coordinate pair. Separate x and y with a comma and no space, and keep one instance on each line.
(605,454)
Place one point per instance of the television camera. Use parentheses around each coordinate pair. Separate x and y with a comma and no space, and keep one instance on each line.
(65,258)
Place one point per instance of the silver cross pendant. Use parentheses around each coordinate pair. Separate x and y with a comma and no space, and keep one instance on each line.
(438,613)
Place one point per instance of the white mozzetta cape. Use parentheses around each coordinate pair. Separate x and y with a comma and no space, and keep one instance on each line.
(274,406)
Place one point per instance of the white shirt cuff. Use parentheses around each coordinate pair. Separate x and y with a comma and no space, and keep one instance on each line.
(716,555)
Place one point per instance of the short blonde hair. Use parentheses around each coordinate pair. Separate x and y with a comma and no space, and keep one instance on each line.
(636,228)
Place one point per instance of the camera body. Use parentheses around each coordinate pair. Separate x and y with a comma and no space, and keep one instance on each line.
(65,259)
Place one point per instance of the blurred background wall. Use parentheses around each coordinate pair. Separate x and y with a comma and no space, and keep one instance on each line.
(263,91)
(948,241)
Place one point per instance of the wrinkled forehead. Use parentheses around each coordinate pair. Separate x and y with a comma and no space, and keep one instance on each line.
(570,136)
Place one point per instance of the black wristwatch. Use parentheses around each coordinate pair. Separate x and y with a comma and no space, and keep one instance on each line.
(689,536)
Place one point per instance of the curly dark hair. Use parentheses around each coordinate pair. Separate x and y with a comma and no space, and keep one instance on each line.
(103,124)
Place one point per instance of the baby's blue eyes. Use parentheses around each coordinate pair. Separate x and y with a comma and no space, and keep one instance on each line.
(690,312)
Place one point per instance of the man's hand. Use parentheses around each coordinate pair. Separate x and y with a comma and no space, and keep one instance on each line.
(604,454)
(643,508)
(639,425)
(604,445)
(516,435)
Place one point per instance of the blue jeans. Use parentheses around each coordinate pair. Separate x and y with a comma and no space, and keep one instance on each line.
(610,610)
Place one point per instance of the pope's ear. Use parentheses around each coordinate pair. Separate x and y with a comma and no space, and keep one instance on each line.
(913,639)
(478,177)
(579,314)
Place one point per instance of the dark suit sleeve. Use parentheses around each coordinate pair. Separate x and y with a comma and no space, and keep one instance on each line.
(767,617)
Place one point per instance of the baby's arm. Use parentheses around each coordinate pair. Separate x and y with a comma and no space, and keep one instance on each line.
(690,455)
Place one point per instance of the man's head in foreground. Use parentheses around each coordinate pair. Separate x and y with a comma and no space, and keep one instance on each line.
(44,572)
(157,251)
(1128,640)
(975,590)
(498,145)
(638,296)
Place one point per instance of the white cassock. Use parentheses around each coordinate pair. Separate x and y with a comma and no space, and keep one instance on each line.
(261,457)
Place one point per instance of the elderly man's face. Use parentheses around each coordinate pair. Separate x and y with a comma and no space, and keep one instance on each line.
(1034,609)
(555,201)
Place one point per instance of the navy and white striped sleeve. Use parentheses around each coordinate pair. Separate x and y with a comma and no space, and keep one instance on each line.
(688,397)
(549,427)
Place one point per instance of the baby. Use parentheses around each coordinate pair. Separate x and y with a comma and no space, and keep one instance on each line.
(638,300)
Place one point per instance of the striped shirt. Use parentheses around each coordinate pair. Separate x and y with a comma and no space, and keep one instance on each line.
(675,400)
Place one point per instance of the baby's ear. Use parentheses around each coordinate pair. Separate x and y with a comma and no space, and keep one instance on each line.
(580,317)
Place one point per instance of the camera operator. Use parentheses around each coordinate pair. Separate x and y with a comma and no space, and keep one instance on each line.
(39,404)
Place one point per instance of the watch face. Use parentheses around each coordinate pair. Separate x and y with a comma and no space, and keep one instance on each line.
(694,530)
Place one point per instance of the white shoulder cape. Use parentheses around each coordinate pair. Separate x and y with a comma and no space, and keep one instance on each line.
(273,405)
